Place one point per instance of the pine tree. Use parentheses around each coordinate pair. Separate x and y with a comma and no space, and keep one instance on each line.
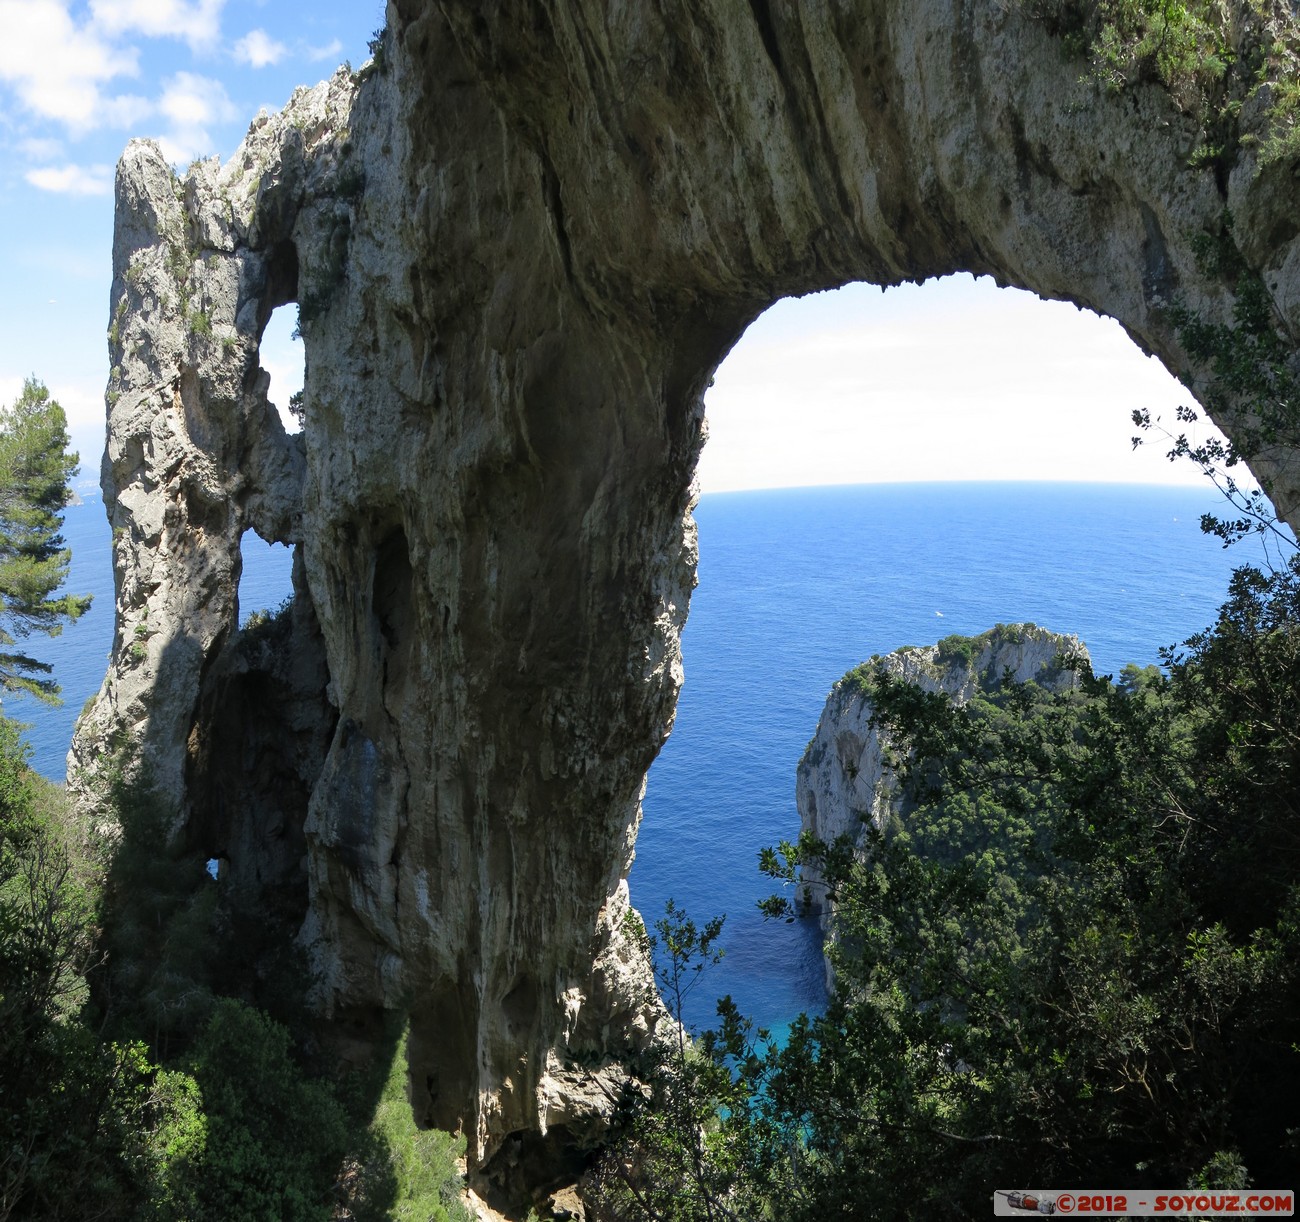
(35,467)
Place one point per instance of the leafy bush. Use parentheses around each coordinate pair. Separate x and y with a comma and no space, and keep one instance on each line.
(71,1106)
(958,649)
(684,1148)
(250,1135)
(404,1172)
(1090,897)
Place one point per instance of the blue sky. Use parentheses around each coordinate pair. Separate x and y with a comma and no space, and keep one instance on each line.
(77,81)
(953,380)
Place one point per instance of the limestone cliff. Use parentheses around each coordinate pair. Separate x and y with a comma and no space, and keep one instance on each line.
(520,242)
(845,781)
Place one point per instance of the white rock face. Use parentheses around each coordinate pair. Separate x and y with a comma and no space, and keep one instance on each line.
(520,249)
(844,781)
(196,454)
(317,779)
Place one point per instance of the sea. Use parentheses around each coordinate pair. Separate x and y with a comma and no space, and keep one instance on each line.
(796,587)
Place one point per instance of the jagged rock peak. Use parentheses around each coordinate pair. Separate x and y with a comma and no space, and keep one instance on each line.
(960,666)
(196,452)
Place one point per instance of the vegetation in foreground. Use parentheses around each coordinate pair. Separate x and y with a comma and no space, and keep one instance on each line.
(1072,958)
(235,1121)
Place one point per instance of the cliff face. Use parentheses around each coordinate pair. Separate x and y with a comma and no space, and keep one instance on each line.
(520,247)
(844,780)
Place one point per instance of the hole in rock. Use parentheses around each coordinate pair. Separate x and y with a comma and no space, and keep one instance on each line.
(887,469)
(265,580)
(213,867)
(283,356)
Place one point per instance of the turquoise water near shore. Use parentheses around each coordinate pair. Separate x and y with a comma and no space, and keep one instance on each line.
(796,587)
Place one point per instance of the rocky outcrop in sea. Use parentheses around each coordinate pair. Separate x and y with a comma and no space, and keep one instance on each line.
(844,781)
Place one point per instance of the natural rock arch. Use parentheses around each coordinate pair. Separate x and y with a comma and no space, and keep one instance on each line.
(521,241)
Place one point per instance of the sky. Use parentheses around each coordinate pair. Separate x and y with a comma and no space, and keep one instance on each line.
(955,379)
(77,81)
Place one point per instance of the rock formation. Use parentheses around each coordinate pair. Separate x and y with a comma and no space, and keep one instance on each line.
(520,241)
(845,781)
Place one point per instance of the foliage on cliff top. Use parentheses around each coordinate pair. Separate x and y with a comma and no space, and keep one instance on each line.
(1007,997)
(954,650)
(1211,56)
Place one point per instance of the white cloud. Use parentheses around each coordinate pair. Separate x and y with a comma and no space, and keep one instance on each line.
(190,100)
(35,149)
(329,51)
(258,49)
(198,22)
(952,380)
(191,104)
(125,110)
(73,179)
(57,68)
(10,388)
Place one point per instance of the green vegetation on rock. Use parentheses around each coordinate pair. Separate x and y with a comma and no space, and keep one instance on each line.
(130,1086)
(1211,60)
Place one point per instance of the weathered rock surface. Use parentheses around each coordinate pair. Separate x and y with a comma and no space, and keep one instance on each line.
(520,247)
(845,782)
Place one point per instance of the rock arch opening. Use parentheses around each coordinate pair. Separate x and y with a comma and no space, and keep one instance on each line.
(284,357)
(265,578)
(953,379)
(888,469)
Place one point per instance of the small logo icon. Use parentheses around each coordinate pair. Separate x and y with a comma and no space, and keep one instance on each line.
(1030,1202)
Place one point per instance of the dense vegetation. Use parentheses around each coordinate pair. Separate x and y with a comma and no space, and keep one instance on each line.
(174,1102)
(1071,959)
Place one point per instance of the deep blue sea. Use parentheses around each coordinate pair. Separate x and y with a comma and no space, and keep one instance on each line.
(796,587)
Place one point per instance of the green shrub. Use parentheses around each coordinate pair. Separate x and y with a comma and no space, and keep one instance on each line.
(410,1174)
(954,649)
(250,1134)
(71,1105)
